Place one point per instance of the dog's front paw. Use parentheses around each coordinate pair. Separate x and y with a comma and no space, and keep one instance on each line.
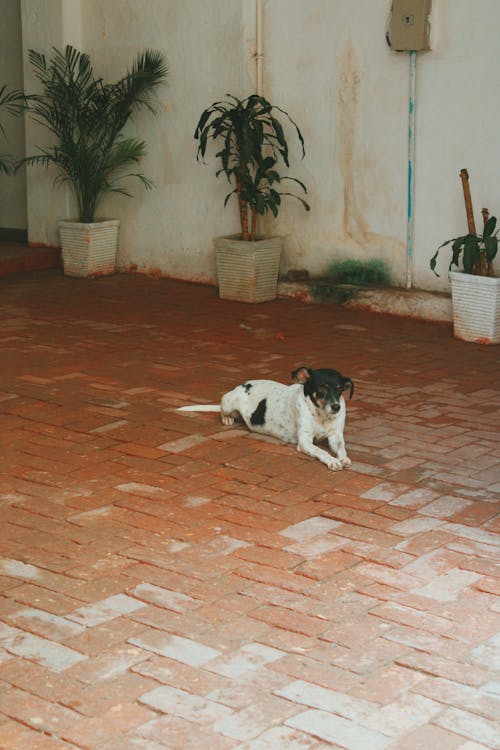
(346,461)
(334,464)
(227,420)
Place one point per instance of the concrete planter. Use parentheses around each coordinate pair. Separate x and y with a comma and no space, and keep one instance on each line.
(476,307)
(89,250)
(248,271)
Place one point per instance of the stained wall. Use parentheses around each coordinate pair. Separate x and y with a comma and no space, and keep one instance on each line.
(326,63)
(12,188)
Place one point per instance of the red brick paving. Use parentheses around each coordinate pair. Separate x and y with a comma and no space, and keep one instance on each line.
(167,583)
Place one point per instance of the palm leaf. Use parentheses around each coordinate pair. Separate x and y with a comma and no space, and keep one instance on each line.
(87,117)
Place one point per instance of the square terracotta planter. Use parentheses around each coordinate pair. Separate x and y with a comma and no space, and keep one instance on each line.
(248,271)
(89,250)
(476,307)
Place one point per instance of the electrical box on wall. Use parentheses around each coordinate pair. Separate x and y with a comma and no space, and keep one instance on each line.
(409,25)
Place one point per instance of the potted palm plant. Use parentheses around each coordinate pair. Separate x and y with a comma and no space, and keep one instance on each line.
(91,152)
(475,290)
(253,149)
(12,103)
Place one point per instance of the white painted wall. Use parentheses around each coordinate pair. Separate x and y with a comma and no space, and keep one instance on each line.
(46,24)
(170,228)
(349,91)
(334,72)
(328,65)
(12,187)
(458,112)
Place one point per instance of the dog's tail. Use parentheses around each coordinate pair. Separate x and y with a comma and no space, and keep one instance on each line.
(200,407)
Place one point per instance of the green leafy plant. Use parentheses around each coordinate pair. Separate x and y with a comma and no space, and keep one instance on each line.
(372,272)
(12,103)
(329,292)
(87,118)
(341,278)
(476,251)
(253,148)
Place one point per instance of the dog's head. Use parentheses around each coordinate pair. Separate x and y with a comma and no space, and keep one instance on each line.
(324,387)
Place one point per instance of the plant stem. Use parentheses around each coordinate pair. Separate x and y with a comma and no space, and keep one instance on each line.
(481,265)
(253,230)
(243,208)
(464,176)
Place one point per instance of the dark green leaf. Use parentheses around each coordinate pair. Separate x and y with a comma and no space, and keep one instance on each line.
(491,247)
(260,204)
(489,227)
(456,249)
(433,262)
(471,250)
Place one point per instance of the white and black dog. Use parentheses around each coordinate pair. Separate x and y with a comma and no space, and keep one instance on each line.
(312,408)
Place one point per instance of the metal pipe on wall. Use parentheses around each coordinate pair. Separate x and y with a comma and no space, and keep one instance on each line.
(411,170)
(259,53)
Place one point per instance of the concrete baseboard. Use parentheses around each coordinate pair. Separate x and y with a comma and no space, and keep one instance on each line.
(408,303)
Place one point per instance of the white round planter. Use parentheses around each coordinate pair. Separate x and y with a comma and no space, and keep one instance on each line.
(476,307)
(89,250)
(248,271)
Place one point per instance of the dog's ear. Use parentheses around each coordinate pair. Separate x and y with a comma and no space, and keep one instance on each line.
(302,374)
(348,384)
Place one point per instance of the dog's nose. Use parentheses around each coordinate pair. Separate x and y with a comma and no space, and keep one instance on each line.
(335,408)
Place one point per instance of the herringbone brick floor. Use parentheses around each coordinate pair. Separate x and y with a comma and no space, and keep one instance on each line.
(167,582)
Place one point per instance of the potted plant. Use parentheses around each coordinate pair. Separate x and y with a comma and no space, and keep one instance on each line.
(253,148)
(91,153)
(11,102)
(475,290)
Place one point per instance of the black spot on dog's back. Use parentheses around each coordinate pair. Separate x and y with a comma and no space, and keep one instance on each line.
(247,387)
(259,415)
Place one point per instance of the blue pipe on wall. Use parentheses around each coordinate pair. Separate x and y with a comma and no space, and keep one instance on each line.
(411,171)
